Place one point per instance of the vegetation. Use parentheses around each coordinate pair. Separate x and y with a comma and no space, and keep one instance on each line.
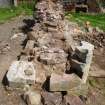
(10,12)
(27,9)
(97,20)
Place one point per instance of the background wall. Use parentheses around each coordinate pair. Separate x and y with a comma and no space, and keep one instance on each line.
(5,3)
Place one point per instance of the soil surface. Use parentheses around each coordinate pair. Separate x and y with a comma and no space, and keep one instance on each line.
(7,56)
(10,48)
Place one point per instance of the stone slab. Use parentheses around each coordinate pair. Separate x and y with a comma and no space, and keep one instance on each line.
(21,73)
(64,82)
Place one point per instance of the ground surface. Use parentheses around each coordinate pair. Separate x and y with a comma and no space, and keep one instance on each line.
(7,30)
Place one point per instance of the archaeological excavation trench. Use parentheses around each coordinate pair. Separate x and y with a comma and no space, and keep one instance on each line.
(52,65)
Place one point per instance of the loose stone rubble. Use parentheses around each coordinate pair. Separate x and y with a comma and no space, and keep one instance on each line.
(93,35)
(55,60)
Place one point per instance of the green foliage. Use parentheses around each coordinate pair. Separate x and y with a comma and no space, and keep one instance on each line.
(8,13)
(97,20)
(23,8)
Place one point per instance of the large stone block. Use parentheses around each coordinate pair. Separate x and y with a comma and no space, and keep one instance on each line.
(53,56)
(89,47)
(21,73)
(64,82)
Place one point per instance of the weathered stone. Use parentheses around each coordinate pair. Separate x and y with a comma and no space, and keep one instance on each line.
(58,35)
(33,35)
(73,100)
(57,43)
(32,97)
(64,82)
(29,46)
(28,72)
(17,76)
(90,48)
(51,29)
(50,24)
(51,98)
(48,11)
(59,68)
(23,58)
(40,76)
(81,60)
(44,40)
(53,56)
(36,33)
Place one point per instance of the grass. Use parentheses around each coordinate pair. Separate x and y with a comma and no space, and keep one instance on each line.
(97,20)
(27,9)
(10,12)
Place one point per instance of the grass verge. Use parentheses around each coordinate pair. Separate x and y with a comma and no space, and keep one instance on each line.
(97,20)
(10,12)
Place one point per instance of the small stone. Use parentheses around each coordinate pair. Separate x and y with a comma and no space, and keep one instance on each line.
(90,48)
(50,24)
(32,97)
(52,98)
(30,44)
(53,56)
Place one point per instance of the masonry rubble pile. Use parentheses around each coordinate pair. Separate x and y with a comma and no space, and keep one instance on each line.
(51,62)
(93,35)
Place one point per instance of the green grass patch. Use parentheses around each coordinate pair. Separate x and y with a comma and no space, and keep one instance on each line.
(97,20)
(10,12)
